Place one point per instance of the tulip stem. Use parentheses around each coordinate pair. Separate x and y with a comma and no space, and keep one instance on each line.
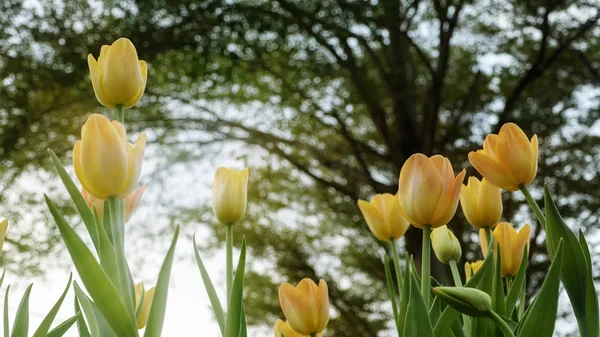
(501,324)
(534,206)
(117,225)
(229,256)
(120,113)
(426,265)
(455,273)
(314,334)
(396,259)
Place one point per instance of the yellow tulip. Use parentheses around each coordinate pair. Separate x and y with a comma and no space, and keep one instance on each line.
(105,163)
(384,217)
(508,159)
(283,329)
(145,310)
(118,77)
(131,202)
(3,228)
(306,307)
(472,268)
(481,203)
(445,245)
(428,191)
(512,245)
(230,194)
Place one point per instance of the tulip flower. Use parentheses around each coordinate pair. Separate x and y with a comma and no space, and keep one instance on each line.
(131,202)
(512,245)
(118,77)
(283,329)
(306,307)
(105,163)
(230,194)
(445,245)
(384,217)
(481,203)
(472,268)
(508,159)
(3,228)
(147,303)
(428,190)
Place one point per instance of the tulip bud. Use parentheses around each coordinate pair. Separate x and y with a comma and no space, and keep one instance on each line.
(118,77)
(306,307)
(508,159)
(481,203)
(428,190)
(470,301)
(105,163)
(283,329)
(445,245)
(384,217)
(230,194)
(146,305)
(512,245)
(472,268)
(3,228)
(131,202)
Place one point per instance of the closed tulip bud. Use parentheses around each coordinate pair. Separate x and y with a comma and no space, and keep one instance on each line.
(118,77)
(306,307)
(131,202)
(470,301)
(512,245)
(230,194)
(146,305)
(384,217)
(105,163)
(3,228)
(481,203)
(508,159)
(428,190)
(283,329)
(445,245)
(472,268)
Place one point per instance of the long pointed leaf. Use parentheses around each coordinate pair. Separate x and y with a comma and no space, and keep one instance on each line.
(81,326)
(210,290)
(159,302)
(21,326)
(88,310)
(63,327)
(516,286)
(6,322)
(97,283)
(44,327)
(234,309)
(591,303)
(417,318)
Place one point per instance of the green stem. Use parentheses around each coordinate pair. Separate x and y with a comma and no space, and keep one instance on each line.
(488,236)
(120,113)
(534,206)
(455,273)
(314,334)
(426,265)
(117,225)
(229,256)
(501,324)
(396,259)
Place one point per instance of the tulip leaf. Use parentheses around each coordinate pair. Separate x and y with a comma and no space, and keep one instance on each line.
(82,328)
(210,290)
(156,316)
(390,287)
(591,303)
(233,320)
(2,278)
(436,309)
(98,284)
(6,322)
(405,294)
(21,324)
(80,203)
(498,300)
(516,286)
(574,272)
(88,310)
(106,251)
(417,321)
(44,327)
(63,327)
(540,318)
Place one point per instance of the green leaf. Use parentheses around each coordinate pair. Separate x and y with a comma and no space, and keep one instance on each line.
(88,310)
(44,327)
(63,327)
(417,321)
(81,326)
(2,278)
(390,287)
(6,322)
(106,250)
(233,321)
(516,286)
(97,283)
(210,290)
(405,293)
(445,321)
(540,318)
(21,326)
(80,203)
(591,302)
(159,303)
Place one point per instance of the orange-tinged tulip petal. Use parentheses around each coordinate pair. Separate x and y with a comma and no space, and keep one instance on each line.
(512,245)
(230,194)
(146,305)
(471,268)
(508,159)
(428,191)
(481,203)
(283,329)
(306,307)
(384,217)
(131,202)
(445,245)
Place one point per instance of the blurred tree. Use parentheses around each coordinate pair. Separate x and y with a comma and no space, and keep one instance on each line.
(331,97)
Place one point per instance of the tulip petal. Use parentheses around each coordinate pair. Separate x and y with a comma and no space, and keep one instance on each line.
(453,198)
(514,148)
(420,187)
(374,220)
(122,77)
(96,76)
(135,159)
(534,148)
(492,171)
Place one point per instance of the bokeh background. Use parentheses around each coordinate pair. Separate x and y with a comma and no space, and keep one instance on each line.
(324,100)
